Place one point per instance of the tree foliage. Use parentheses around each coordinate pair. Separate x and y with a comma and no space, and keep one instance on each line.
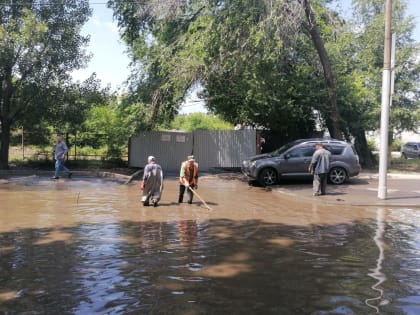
(360,72)
(262,63)
(229,47)
(114,122)
(199,121)
(40,44)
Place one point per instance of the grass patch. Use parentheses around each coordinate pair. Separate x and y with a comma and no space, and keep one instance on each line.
(402,165)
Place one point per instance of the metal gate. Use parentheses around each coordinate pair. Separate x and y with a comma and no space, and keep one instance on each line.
(212,148)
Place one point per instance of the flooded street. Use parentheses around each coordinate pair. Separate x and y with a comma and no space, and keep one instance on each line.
(88,246)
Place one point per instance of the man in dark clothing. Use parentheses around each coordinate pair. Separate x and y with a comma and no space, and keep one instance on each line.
(320,165)
(188,178)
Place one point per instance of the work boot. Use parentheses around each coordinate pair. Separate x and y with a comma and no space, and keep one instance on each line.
(190,201)
(180,200)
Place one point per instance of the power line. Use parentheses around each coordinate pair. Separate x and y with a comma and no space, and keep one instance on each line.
(44,4)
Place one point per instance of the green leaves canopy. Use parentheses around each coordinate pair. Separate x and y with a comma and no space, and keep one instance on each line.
(258,66)
(40,44)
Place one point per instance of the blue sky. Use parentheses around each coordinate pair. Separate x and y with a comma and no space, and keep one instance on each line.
(109,59)
(111,62)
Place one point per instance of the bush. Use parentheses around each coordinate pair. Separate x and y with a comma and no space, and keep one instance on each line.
(372,145)
(396,145)
(199,121)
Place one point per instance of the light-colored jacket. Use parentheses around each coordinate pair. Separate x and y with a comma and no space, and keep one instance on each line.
(60,150)
(152,182)
(321,161)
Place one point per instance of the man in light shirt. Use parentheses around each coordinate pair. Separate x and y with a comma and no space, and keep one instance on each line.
(320,166)
(60,153)
(152,184)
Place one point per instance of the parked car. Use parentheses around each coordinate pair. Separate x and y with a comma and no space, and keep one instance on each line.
(293,159)
(410,150)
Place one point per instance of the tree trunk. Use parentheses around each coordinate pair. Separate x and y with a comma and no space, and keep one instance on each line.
(365,156)
(6,91)
(5,141)
(332,116)
(156,101)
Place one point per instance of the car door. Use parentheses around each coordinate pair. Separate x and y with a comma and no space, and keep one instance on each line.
(297,160)
(410,150)
(416,150)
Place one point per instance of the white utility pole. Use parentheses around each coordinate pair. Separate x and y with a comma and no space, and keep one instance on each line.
(385,102)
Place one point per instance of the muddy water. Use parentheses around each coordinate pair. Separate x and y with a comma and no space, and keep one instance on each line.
(87,246)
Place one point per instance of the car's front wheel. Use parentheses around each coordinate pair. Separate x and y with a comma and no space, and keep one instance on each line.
(337,175)
(268,176)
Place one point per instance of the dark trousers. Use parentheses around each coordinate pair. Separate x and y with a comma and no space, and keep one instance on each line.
(181,194)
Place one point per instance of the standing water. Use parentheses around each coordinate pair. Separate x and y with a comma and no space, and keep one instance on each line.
(89,247)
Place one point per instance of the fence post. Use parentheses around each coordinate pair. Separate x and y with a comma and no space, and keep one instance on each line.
(75,145)
(67,141)
(23,145)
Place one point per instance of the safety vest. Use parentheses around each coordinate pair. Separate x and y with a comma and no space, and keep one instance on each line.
(186,167)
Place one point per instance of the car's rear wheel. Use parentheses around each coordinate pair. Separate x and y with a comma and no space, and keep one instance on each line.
(268,176)
(337,175)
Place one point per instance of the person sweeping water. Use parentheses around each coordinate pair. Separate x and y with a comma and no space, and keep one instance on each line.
(152,183)
(188,178)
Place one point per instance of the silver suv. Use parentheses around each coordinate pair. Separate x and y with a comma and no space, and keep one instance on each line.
(293,159)
(410,150)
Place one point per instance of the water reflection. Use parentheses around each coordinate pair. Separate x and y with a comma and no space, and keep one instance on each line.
(105,254)
(377,272)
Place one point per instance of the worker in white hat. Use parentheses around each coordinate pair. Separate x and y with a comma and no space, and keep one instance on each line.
(152,183)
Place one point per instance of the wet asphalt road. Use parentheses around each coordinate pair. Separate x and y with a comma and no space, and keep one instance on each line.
(87,246)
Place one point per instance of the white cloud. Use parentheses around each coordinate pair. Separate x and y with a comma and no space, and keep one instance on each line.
(95,21)
(112,27)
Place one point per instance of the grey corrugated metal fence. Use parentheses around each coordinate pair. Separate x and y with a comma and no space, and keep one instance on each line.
(212,148)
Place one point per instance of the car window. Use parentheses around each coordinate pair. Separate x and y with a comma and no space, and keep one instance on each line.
(335,149)
(301,152)
(282,149)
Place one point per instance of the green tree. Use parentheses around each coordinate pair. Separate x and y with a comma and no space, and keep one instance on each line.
(283,65)
(231,49)
(115,122)
(358,59)
(40,44)
(199,121)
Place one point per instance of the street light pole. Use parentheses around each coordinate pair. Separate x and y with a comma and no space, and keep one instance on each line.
(385,101)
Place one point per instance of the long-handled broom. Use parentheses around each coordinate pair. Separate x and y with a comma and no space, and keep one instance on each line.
(201,199)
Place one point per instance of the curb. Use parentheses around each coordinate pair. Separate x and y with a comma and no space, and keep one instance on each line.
(342,202)
(89,174)
(389,175)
